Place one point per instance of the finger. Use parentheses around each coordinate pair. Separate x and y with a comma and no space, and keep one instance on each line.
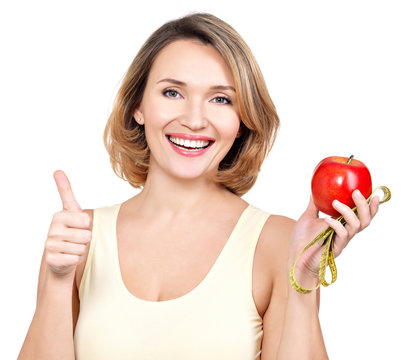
(342,236)
(352,221)
(65,191)
(374,205)
(65,247)
(74,249)
(363,209)
(77,236)
(60,262)
(78,220)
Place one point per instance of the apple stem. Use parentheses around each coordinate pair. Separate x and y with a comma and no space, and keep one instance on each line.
(350,159)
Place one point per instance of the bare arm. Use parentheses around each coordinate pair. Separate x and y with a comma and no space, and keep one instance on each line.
(291,323)
(50,335)
(301,336)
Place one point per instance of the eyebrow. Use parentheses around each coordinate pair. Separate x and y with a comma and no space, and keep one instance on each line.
(181,83)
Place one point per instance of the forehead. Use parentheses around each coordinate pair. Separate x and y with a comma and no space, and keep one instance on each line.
(192,62)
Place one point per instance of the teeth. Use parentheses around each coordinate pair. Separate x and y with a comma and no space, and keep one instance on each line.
(189,143)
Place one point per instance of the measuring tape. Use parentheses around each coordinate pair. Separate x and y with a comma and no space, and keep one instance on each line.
(327,257)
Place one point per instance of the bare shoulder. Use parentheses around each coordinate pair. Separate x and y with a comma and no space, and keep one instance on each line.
(270,259)
(275,237)
(278,224)
(80,268)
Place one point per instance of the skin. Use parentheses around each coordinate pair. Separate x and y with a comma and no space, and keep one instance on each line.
(173,220)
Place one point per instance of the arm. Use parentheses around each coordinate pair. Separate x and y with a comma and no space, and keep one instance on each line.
(291,323)
(50,335)
(301,336)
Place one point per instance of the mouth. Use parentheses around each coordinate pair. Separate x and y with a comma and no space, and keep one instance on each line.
(187,145)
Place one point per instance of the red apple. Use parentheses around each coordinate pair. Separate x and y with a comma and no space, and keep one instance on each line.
(337,177)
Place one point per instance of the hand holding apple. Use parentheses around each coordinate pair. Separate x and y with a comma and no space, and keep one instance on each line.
(338,184)
(335,178)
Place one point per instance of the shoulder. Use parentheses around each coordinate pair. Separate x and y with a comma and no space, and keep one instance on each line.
(81,267)
(273,245)
(277,229)
(270,259)
(275,234)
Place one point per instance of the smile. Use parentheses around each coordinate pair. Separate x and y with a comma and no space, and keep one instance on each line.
(188,147)
(192,144)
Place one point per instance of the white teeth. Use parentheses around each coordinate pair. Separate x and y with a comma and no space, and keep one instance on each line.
(189,143)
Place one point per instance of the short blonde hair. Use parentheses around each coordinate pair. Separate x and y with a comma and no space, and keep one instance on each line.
(125,140)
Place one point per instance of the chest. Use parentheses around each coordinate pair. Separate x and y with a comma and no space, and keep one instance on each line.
(160,262)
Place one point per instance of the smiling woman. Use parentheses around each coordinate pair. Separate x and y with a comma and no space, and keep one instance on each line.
(124,137)
(191,107)
(186,269)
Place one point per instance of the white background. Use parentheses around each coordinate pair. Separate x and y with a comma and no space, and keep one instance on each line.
(333,69)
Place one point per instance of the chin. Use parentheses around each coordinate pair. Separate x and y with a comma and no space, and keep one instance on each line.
(186,174)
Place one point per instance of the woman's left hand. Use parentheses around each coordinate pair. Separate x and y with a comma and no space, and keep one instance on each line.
(310,225)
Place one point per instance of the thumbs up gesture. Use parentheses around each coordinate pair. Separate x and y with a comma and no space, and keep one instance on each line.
(69,233)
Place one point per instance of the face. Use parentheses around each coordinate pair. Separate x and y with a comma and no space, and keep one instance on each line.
(189,99)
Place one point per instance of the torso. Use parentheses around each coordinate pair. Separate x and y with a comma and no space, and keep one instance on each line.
(165,252)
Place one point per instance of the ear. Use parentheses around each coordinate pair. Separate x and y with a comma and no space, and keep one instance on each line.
(241,130)
(138,116)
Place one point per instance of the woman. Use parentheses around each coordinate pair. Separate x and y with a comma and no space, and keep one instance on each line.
(186,269)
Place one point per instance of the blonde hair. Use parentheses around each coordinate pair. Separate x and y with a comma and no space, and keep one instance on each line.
(125,140)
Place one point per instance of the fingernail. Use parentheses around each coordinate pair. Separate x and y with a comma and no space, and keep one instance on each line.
(359,194)
(336,203)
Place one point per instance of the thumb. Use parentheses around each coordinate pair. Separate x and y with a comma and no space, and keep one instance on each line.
(65,191)
(311,210)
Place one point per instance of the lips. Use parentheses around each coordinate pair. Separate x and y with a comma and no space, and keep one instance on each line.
(190,152)
(191,137)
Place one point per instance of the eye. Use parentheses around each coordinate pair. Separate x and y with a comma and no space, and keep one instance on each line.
(171,93)
(222,100)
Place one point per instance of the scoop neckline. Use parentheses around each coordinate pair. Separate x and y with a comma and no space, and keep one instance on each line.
(193,291)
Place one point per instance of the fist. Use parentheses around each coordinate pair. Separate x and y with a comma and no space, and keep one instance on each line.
(70,231)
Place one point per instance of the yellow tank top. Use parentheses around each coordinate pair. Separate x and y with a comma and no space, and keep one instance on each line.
(218,319)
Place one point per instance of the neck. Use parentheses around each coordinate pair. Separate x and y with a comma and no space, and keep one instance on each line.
(170,197)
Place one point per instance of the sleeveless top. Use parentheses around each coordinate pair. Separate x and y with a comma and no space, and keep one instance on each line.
(218,319)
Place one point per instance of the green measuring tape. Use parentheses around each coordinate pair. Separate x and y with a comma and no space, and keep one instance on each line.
(327,256)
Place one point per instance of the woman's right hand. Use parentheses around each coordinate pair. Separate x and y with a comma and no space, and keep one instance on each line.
(70,231)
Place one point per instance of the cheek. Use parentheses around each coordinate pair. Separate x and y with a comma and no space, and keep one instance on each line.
(229,128)
(157,114)
(225,119)
(161,111)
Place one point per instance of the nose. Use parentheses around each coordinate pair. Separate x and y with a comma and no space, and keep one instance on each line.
(193,116)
